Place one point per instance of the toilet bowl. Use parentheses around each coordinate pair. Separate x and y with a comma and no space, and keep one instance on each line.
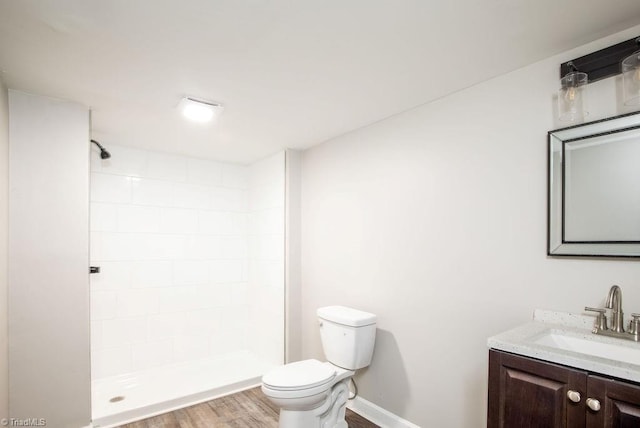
(303,385)
(310,394)
(313,394)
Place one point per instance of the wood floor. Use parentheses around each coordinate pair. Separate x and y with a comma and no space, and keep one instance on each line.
(246,409)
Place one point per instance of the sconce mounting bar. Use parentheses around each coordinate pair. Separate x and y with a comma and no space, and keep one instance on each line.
(603,63)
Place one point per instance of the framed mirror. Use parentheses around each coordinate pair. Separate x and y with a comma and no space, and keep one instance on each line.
(594,189)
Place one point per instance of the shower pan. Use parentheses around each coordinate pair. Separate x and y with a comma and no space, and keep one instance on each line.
(190,298)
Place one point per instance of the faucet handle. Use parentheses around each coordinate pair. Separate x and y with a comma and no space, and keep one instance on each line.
(601,320)
(634,324)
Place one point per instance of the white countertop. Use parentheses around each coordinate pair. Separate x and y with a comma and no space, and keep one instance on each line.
(522,340)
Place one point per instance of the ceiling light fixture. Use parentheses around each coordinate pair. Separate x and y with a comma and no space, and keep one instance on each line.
(199,110)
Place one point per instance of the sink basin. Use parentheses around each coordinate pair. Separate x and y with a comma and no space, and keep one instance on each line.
(612,351)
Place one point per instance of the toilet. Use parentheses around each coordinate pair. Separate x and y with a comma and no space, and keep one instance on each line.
(314,394)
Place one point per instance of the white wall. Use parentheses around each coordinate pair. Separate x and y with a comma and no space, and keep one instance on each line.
(4,242)
(170,235)
(48,261)
(435,220)
(293,244)
(266,258)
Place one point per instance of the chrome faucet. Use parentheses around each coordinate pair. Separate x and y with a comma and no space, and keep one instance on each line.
(614,302)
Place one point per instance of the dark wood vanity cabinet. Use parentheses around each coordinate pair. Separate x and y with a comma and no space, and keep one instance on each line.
(620,403)
(528,393)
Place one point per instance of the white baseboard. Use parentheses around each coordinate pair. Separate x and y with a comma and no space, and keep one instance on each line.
(378,415)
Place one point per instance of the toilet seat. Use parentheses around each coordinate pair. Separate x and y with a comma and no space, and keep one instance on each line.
(301,375)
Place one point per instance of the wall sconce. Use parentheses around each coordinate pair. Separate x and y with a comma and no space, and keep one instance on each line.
(571,96)
(631,77)
(575,74)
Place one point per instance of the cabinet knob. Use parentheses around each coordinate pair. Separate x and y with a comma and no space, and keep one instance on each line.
(593,404)
(573,396)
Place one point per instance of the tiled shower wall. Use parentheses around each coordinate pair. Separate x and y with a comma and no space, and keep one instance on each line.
(170,234)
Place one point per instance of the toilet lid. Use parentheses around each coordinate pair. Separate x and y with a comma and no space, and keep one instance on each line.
(299,375)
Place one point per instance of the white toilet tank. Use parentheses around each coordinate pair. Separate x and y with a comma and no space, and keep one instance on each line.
(348,336)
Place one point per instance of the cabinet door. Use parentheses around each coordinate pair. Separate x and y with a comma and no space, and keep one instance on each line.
(527,393)
(619,404)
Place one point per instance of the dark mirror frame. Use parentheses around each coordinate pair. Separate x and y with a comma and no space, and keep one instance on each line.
(557,139)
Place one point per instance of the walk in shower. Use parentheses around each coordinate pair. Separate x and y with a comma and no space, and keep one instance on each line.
(189,300)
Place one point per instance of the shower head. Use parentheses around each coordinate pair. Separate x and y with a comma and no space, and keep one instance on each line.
(104,154)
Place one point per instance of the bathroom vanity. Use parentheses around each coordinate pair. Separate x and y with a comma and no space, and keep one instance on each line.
(553,372)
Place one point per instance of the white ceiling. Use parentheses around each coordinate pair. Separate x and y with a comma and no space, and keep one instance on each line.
(290,73)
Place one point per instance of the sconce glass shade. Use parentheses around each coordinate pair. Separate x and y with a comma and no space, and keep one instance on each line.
(572,97)
(631,79)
